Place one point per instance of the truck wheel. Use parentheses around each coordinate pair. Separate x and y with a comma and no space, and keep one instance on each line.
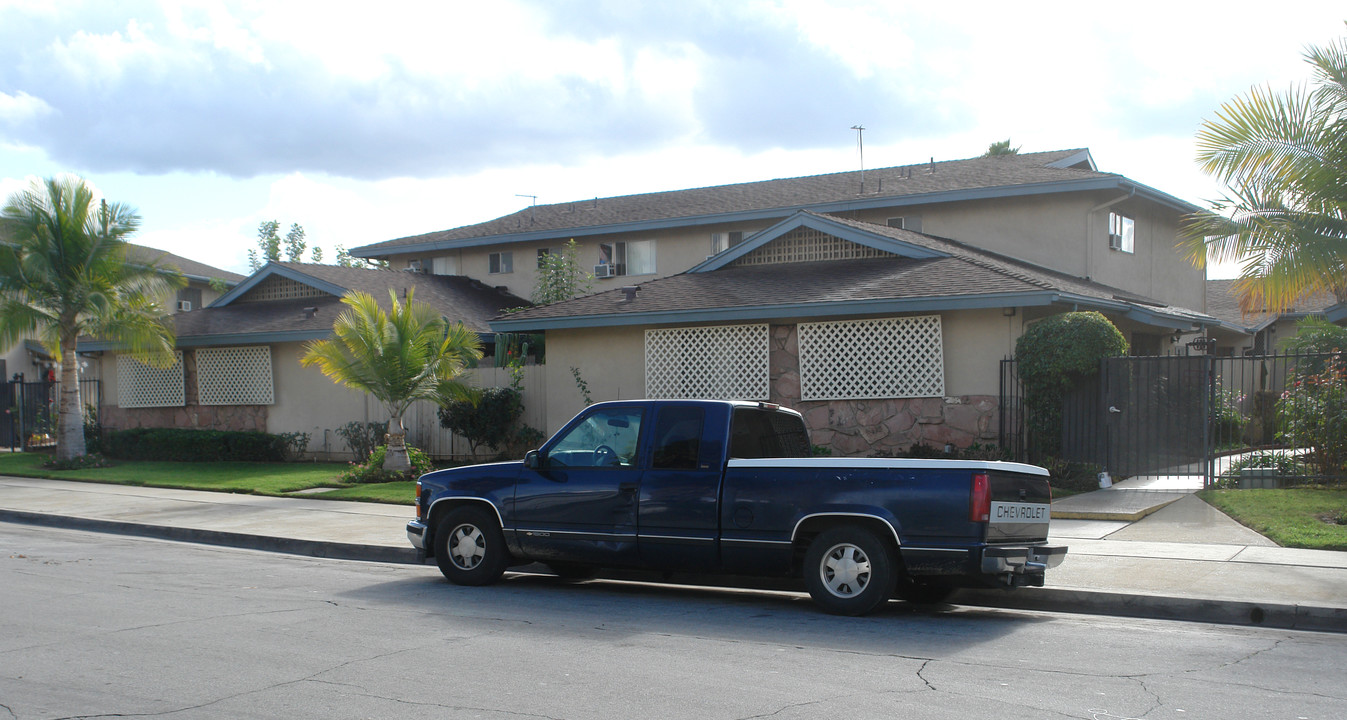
(848,571)
(470,548)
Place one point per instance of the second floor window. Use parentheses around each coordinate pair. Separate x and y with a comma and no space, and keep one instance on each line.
(1121,233)
(636,257)
(500,263)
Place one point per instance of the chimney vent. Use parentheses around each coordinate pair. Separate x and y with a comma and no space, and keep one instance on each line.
(630,291)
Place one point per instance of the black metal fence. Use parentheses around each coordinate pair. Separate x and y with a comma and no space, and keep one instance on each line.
(30,410)
(1196,415)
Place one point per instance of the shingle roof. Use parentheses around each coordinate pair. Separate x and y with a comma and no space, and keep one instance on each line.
(783,196)
(192,268)
(1223,304)
(965,272)
(458,298)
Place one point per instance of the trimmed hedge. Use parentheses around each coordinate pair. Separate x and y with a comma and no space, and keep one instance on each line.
(195,445)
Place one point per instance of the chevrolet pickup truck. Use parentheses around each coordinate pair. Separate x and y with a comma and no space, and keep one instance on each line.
(730,488)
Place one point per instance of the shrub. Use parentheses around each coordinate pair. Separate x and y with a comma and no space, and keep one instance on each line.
(372,471)
(1286,466)
(1070,475)
(201,445)
(487,418)
(1313,415)
(362,437)
(1054,354)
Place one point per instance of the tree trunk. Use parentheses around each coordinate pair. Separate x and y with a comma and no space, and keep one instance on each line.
(395,459)
(70,420)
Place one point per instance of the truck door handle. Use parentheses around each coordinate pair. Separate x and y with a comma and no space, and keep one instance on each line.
(628,487)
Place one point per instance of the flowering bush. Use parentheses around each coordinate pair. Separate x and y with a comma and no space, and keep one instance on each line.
(372,471)
(1314,415)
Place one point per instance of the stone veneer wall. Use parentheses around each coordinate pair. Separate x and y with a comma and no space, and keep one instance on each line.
(881,426)
(192,415)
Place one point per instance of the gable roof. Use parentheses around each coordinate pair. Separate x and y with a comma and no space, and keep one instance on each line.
(233,319)
(1223,304)
(192,269)
(923,274)
(924,183)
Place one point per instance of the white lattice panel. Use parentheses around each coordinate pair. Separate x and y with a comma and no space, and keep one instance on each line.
(872,359)
(724,362)
(140,385)
(234,376)
(277,287)
(808,245)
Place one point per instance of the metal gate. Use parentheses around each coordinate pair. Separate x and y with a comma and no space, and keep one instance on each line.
(31,409)
(1179,415)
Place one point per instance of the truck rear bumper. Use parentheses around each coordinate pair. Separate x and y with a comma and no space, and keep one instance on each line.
(1022,565)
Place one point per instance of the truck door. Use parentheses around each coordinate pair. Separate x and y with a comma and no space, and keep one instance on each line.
(677,516)
(580,504)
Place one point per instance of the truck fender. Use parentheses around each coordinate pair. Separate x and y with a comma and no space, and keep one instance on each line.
(444,504)
(810,524)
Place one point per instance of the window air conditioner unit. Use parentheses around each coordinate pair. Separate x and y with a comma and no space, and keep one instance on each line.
(415,266)
(605,270)
(184,305)
(1114,241)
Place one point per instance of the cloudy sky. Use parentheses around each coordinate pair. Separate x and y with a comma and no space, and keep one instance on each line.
(365,125)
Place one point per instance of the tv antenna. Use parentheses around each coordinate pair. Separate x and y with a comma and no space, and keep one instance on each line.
(535,204)
(860,149)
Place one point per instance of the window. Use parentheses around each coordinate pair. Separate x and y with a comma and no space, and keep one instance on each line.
(443,266)
(542,256)
(678,437)
(872,359)
(635,257)
(605,438)
(500,263)
(1121,233)
(720,242)
(907,222)
(756,433)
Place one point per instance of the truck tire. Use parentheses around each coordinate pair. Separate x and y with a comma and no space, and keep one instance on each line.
(470,547)
(848,571)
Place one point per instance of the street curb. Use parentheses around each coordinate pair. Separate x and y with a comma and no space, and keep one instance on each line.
(290,546)
(1158,607)
(1089,602)
(1104,515)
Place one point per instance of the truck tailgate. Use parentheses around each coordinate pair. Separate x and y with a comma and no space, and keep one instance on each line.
(1020,507)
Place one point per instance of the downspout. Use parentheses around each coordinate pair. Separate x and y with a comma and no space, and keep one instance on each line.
(1089,227)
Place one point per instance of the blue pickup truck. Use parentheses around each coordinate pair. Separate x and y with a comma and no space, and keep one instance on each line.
(729,487)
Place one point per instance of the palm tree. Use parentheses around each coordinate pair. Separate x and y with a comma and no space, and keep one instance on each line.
(64,273)
(1283,158)
(410,353)
(1001,148)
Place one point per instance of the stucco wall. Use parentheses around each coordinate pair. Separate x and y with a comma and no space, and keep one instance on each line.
(611,362)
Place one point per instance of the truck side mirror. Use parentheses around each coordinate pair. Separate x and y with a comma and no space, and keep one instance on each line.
(534,459)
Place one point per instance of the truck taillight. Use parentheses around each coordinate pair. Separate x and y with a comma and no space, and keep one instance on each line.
(980,499)
(419,510)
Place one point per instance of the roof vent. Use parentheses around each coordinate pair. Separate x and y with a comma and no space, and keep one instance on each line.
(310,312)
(630,291)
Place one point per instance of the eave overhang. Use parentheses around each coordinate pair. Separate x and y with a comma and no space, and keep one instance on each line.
(886,306)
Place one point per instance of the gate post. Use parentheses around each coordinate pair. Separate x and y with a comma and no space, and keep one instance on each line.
(1208,441)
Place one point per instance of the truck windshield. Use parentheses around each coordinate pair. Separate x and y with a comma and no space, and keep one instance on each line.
(757,433)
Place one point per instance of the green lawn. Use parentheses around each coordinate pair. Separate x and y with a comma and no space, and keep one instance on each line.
(1299,518)
(241,477)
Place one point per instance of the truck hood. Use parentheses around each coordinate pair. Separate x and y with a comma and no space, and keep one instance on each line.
(471,476)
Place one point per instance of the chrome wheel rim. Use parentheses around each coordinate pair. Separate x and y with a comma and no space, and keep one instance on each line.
(845,570)
(467,547)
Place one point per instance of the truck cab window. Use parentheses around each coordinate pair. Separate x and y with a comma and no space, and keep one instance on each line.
(606,438)
(678,436)
(756,433)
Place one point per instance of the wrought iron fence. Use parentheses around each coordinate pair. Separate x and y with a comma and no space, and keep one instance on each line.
(31,409)
(1268,419)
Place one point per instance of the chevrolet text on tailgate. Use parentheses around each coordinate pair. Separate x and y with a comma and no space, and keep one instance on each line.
(729,487)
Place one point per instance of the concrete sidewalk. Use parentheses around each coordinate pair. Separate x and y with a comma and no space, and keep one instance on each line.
(1182,560)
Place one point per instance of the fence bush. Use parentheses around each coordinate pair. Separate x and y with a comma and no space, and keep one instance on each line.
(201,445)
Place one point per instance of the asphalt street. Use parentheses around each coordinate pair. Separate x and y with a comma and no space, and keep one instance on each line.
(104,625)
